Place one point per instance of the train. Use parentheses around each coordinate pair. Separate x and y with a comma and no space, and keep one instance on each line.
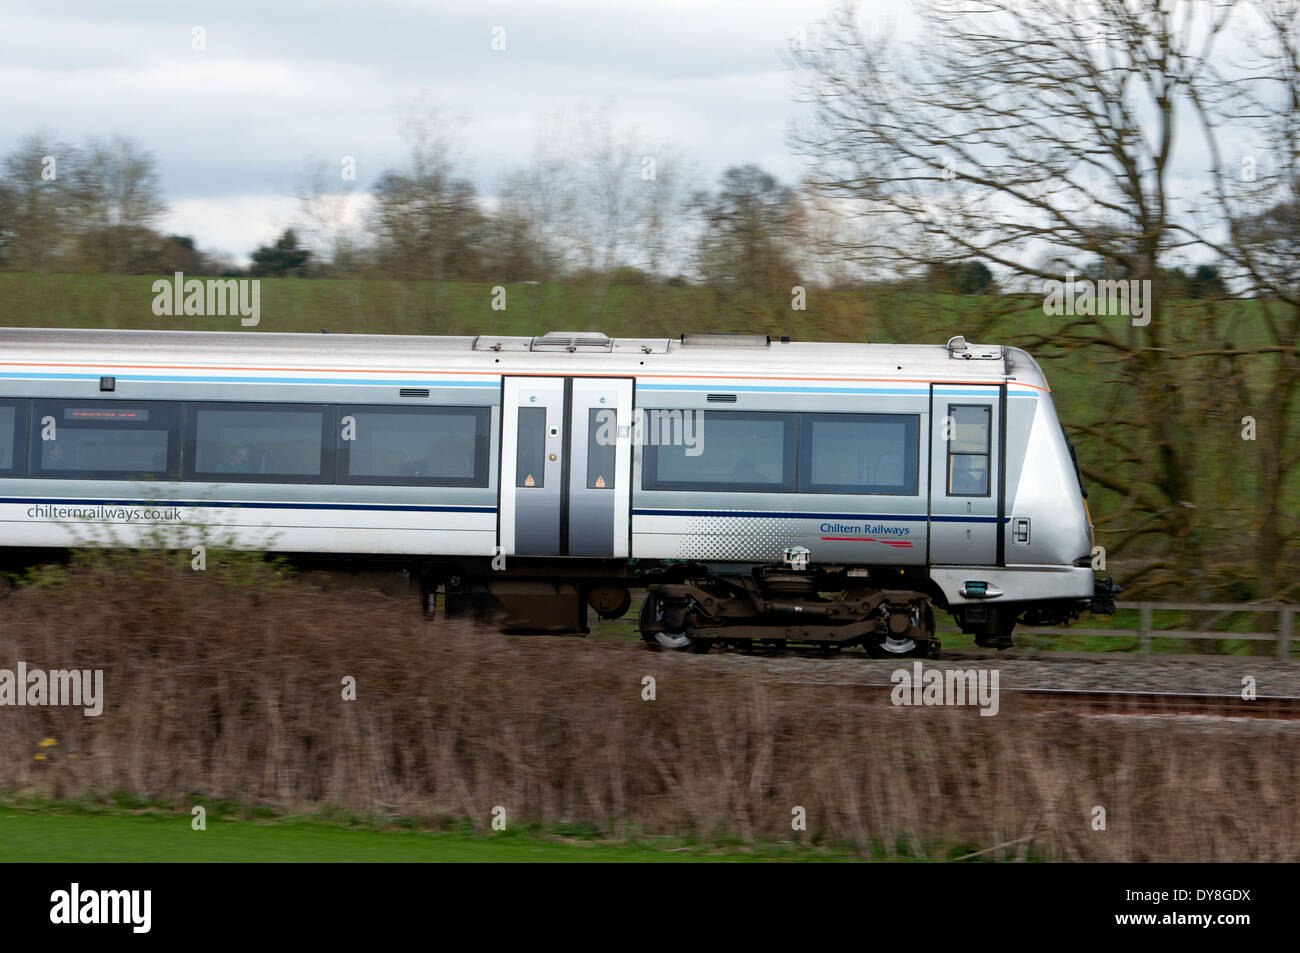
(760,491)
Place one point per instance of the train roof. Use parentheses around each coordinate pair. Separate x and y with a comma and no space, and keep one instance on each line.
(580,352)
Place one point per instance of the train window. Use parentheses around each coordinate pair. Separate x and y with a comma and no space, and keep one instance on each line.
(258,443)
(859,453)
(413,446)
(104,440)
(13,437)
(723,451)
(969,449)
(530,456)
(1074,460)
(602,437)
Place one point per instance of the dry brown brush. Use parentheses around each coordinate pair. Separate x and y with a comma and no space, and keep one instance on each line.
(219,686)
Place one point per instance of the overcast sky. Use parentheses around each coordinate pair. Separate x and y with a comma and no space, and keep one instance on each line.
(234,124)
(237,97)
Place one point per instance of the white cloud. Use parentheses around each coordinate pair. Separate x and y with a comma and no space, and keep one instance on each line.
(234,124)
(232,225)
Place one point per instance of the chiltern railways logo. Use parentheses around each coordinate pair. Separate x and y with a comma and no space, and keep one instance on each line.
(867,533)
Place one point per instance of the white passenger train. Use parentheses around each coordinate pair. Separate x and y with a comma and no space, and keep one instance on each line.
(760,490)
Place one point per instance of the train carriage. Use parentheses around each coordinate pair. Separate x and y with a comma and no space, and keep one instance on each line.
(760,490)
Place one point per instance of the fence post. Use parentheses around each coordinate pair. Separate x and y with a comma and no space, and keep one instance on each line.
(1284,632)
(1145,622)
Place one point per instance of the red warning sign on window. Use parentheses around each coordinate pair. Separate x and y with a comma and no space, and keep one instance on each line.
(529,481)
(600,482)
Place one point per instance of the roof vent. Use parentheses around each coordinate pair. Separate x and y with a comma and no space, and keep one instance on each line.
(572,341)
(725,340)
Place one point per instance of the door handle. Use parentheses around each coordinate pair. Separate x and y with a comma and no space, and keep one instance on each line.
(979,590)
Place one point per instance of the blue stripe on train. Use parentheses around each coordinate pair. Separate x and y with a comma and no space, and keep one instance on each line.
(421,508)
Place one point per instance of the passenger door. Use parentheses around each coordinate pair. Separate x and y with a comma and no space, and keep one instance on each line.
(965,475)
(566,466)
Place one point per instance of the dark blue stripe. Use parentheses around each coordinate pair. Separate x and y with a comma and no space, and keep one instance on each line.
(772,514)
(252,505)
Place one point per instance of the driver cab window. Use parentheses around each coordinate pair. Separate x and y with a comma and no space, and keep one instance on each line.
(969,450)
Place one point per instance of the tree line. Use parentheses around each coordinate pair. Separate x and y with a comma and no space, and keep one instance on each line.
(605,209)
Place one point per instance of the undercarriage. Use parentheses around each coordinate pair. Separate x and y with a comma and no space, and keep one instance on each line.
(890,613)
(779,606)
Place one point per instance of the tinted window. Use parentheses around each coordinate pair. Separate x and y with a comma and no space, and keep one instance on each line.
(859,453)
(13,437)
(530,450)
(414,446)
(602,438)
(969,450)
(719,450)
(104,440)
(1074,460)
(258,443)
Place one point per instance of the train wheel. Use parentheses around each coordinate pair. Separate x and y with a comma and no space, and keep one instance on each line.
(904,646)
(677,641)
(897,648)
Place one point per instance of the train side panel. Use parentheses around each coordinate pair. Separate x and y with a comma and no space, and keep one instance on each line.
(721,518)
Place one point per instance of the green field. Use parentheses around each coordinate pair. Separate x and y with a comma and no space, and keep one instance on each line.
(388,306)
(51,835)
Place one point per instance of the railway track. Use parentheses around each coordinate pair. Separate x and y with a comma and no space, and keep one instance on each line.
(1042,701)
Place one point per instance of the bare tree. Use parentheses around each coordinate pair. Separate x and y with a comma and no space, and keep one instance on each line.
(328,208)
(115,198)
(1255,196)
(598,197)
(1021,132)
(427,220)
(530,223)
(748,222)
(35,218)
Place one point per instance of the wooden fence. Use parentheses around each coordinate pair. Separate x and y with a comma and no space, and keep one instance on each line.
(1280,633)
